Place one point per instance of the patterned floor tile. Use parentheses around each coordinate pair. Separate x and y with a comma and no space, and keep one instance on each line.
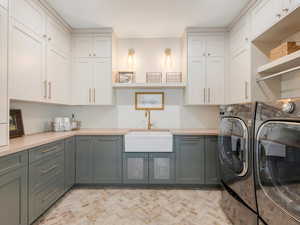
(136,207)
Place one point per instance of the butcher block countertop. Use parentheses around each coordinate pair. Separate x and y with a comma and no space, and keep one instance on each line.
(35,140)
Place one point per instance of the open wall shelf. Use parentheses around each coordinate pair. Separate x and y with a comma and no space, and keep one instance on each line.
(149,86)
(280,66)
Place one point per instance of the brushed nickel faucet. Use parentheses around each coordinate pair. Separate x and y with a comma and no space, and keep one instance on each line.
(148,116)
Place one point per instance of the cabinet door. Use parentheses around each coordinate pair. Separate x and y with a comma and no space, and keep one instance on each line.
(240,77)
(3,67)
(161,168)
(3,135)
(264,15)
(195,92)
(30,15)
(190,159)
(69,163)
(196,46)
(57,37)
(239,35)
(215,46)
(215,79)
(82,82)
(27,65)
(211,161)
(107,159)
(83,47)
(13,195)
(103,92)
(135,168)
(84,160)
(102,47)
(58,76)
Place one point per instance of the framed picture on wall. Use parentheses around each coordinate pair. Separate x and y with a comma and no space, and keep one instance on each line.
(16,128)
(149,100)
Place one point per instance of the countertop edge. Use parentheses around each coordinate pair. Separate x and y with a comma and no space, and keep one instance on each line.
(18,145)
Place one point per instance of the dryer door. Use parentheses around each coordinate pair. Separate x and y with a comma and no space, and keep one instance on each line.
(233,149)
(277,151)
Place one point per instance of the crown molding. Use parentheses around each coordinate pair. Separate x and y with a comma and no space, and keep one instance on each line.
(54,13)
(243,12)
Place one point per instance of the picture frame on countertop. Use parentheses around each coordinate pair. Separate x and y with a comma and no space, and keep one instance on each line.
(16,127)
(149,100)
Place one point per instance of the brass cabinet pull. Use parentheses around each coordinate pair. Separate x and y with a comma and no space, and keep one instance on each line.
(90,93)
(49,170)
(246,90)
(94,95)
(45,89)
(204,95)
(49,150)
(50,90)
(208,95)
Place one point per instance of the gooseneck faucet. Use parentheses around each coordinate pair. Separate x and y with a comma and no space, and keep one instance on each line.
(148,116)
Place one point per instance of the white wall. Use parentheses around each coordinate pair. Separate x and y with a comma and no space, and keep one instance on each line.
(150,58)
(36,117)
(149,54)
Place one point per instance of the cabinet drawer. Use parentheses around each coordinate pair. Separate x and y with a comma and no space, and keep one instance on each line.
(45,151)
(42,199)
(43,171)
(12,162)
(3,135)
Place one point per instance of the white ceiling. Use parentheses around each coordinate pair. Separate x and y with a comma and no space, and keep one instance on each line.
(148,18)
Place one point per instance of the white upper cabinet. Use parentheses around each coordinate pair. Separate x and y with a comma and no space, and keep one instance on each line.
(39,55)
(82,82)
(239,79)
(196,47)
(30,15)
(266,13)
(92,82)
(82,47)
(92,70)
(195,92)
(215,46)
(58,77)
(205,70)
(102,47)
(4,3)
(58,37)
(3,67)
(215,78)
(103,94)
(92,46)
(26,65)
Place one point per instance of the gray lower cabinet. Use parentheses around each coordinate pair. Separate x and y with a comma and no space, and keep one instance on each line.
(148,168)
(107,159)
(69,163)
(135,168)
(211,161)
(14,189)
(190,163)
(84,159)
(46,178)
(99,159)
(161,168)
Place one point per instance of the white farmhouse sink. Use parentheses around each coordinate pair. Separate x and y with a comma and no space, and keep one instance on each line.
(149,141)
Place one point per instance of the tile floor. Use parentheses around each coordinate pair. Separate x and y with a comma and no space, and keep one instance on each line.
(113,206)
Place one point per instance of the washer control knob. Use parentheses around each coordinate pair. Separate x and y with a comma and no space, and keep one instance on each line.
(288,107)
